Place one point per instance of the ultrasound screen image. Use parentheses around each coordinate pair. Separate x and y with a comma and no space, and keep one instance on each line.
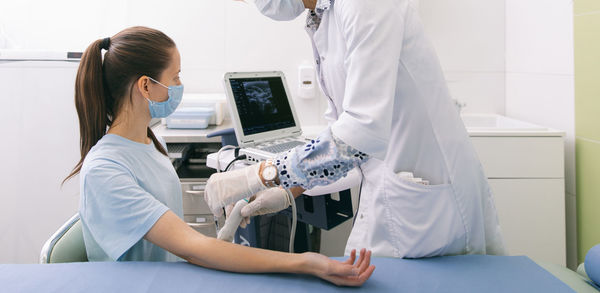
(260,97)
(262,104)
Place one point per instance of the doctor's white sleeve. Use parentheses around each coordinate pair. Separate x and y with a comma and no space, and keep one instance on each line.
(373,34)
(322,161)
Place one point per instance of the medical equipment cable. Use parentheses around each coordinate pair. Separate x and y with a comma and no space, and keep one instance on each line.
(238,158)
(227,147)
(289,193)
(294,220)
(359,194)
(358,204)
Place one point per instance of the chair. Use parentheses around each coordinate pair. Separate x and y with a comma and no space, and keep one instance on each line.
(66,244)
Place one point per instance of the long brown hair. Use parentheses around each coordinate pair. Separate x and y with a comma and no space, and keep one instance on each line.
(101,86)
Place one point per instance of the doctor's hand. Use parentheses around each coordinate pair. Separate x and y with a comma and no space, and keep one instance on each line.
(229,187)
(245,220)
(347,273)
(268,201)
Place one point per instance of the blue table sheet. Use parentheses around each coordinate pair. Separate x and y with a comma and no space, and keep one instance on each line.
(467,273)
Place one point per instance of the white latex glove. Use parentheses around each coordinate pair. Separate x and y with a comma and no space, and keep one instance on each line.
(268,201)
(227,232)
(245,220)
(229,187)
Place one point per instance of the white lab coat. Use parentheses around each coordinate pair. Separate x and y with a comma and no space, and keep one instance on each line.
(388,98)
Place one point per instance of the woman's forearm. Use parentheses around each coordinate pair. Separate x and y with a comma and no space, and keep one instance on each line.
(174,235)
(217,254)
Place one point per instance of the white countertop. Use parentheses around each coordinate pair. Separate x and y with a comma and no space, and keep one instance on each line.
(477,125)
(498,125)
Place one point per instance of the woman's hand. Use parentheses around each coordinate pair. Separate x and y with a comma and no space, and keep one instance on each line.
(347,273)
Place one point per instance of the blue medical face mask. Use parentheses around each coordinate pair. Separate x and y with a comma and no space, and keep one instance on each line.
(280,9)
(164,109)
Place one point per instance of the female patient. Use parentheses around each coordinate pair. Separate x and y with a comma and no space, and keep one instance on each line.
(131,202)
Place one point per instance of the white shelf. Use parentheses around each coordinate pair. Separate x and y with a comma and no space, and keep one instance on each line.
(189,135)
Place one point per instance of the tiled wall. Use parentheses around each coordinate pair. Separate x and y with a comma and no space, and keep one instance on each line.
(469,36)
(540,78)
(587,121)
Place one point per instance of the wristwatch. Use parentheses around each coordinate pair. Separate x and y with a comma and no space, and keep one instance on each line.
(269,174)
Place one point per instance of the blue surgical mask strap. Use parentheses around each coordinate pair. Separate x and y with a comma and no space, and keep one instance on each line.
(150,101)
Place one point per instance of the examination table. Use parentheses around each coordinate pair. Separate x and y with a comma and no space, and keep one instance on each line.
(466,273)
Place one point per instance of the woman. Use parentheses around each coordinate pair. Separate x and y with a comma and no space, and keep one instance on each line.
(390,116)
(131,201)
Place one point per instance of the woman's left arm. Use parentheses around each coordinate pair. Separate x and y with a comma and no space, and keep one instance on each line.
(174,235)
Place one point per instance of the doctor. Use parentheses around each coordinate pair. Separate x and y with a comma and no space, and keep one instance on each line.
(389,112)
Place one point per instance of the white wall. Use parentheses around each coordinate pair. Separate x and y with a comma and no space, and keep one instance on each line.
(213,36)
(469,38)
(540,80)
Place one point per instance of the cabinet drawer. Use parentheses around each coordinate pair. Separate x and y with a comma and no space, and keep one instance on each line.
(521,157)
(204,224)
(193,198)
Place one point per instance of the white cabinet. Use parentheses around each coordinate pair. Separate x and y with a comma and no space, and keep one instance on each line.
(532,217)
(40,147)
(521,156)
(526,174)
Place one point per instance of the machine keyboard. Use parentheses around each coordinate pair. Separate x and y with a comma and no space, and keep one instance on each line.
(282,147)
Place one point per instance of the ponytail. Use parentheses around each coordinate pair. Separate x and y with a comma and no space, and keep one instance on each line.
(90,102)
(156,143)
(101,86)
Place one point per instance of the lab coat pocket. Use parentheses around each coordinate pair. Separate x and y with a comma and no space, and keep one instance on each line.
(423,220)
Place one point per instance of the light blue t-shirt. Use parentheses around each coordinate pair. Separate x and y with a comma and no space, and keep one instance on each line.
(125,187)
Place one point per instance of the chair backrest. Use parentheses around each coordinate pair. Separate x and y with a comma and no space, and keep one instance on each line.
(66,244)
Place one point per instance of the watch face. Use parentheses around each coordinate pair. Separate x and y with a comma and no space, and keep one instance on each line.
(269,173)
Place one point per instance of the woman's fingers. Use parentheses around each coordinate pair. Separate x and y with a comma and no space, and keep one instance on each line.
(351,272)
(352,258)
(361,258)
(364,276)
(353,280)
(366,262)
(343,269)
(347,268)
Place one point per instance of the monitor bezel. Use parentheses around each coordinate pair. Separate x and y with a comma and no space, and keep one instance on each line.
(247,140)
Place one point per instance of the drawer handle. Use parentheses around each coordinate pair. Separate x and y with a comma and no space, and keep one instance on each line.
(194,191)
(201,224)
